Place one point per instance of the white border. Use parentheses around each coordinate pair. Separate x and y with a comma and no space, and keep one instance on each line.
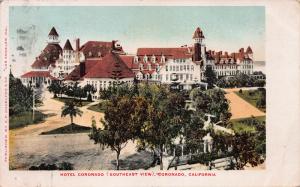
(283,142)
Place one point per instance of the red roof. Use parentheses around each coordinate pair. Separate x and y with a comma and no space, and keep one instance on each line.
(108,67)
(129,61)
(37,74)
(47,57)
(177,52)
(53,32)
(198,33)
(75,74)
(92,49)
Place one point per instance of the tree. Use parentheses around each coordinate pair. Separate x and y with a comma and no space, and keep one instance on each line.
(211,77)
(20,96)
(243,150)
(70,109)
(213,102)
(165,118)
(119,126)
(261,102)
(89,89)
(55,88)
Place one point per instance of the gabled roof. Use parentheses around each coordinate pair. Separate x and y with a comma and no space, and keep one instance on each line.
(109,67)
(53,32)
(92,49)
(198,33)
(37,74)
(68,45)
(47,57)
(129,61)
(75,74)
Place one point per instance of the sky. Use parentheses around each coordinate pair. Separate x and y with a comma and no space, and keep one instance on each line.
(226,28)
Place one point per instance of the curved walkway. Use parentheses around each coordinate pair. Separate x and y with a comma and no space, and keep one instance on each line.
(239,107)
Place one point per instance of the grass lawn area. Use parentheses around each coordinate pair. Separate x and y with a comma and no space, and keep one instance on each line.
(100,107)
(252,99)
(25,118)
(69,129)
(244,124)
(64,99)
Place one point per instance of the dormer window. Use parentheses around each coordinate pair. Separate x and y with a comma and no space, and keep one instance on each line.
(153,59)
(141,66)
(99,54)
(145,58)
(163,59)
(136,59)
(149,66)
(90,53)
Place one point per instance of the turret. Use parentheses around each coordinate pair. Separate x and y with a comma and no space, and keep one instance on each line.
(199,46)
(53,36)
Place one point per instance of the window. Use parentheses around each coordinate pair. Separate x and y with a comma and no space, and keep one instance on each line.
(167,77)
(181,67)
(184,67)
(136,59)
(192,67)
(188,67)
(166,68)
(153,59)
(191,76)
(163,59)
(177,68)
(186,76)
(181,77)
(145,58)
(141,67)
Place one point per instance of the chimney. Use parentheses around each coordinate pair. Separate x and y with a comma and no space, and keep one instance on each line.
(82,69)
(77,44)
(113,45)
(242,50)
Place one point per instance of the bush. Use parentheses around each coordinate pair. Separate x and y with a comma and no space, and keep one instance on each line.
(25,118)
(61,166)
(240,91)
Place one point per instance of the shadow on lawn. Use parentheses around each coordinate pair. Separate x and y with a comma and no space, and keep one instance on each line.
(139,160)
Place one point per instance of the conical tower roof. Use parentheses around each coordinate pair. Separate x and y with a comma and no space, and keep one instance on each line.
(198,33)
(53,32)
(68,45)
(249,50)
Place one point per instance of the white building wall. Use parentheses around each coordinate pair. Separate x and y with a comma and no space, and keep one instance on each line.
(186,70)
(103,83)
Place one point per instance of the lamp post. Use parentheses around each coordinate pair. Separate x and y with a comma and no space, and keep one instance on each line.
(33,102)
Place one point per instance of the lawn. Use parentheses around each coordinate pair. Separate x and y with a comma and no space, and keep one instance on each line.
(251,96)
(245,124)
(64,99)
(100,107)
(24,119)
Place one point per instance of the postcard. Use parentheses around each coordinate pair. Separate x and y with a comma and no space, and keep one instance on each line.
(149,93)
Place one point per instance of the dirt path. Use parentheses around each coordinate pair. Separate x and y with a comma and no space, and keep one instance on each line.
(28,148)
(239,107)
(52,108)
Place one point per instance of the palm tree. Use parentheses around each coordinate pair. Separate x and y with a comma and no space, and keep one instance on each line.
(70,109)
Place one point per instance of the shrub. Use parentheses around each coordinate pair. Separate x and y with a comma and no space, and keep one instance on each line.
(25,118)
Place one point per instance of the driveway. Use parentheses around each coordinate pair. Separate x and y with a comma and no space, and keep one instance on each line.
(239,107)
